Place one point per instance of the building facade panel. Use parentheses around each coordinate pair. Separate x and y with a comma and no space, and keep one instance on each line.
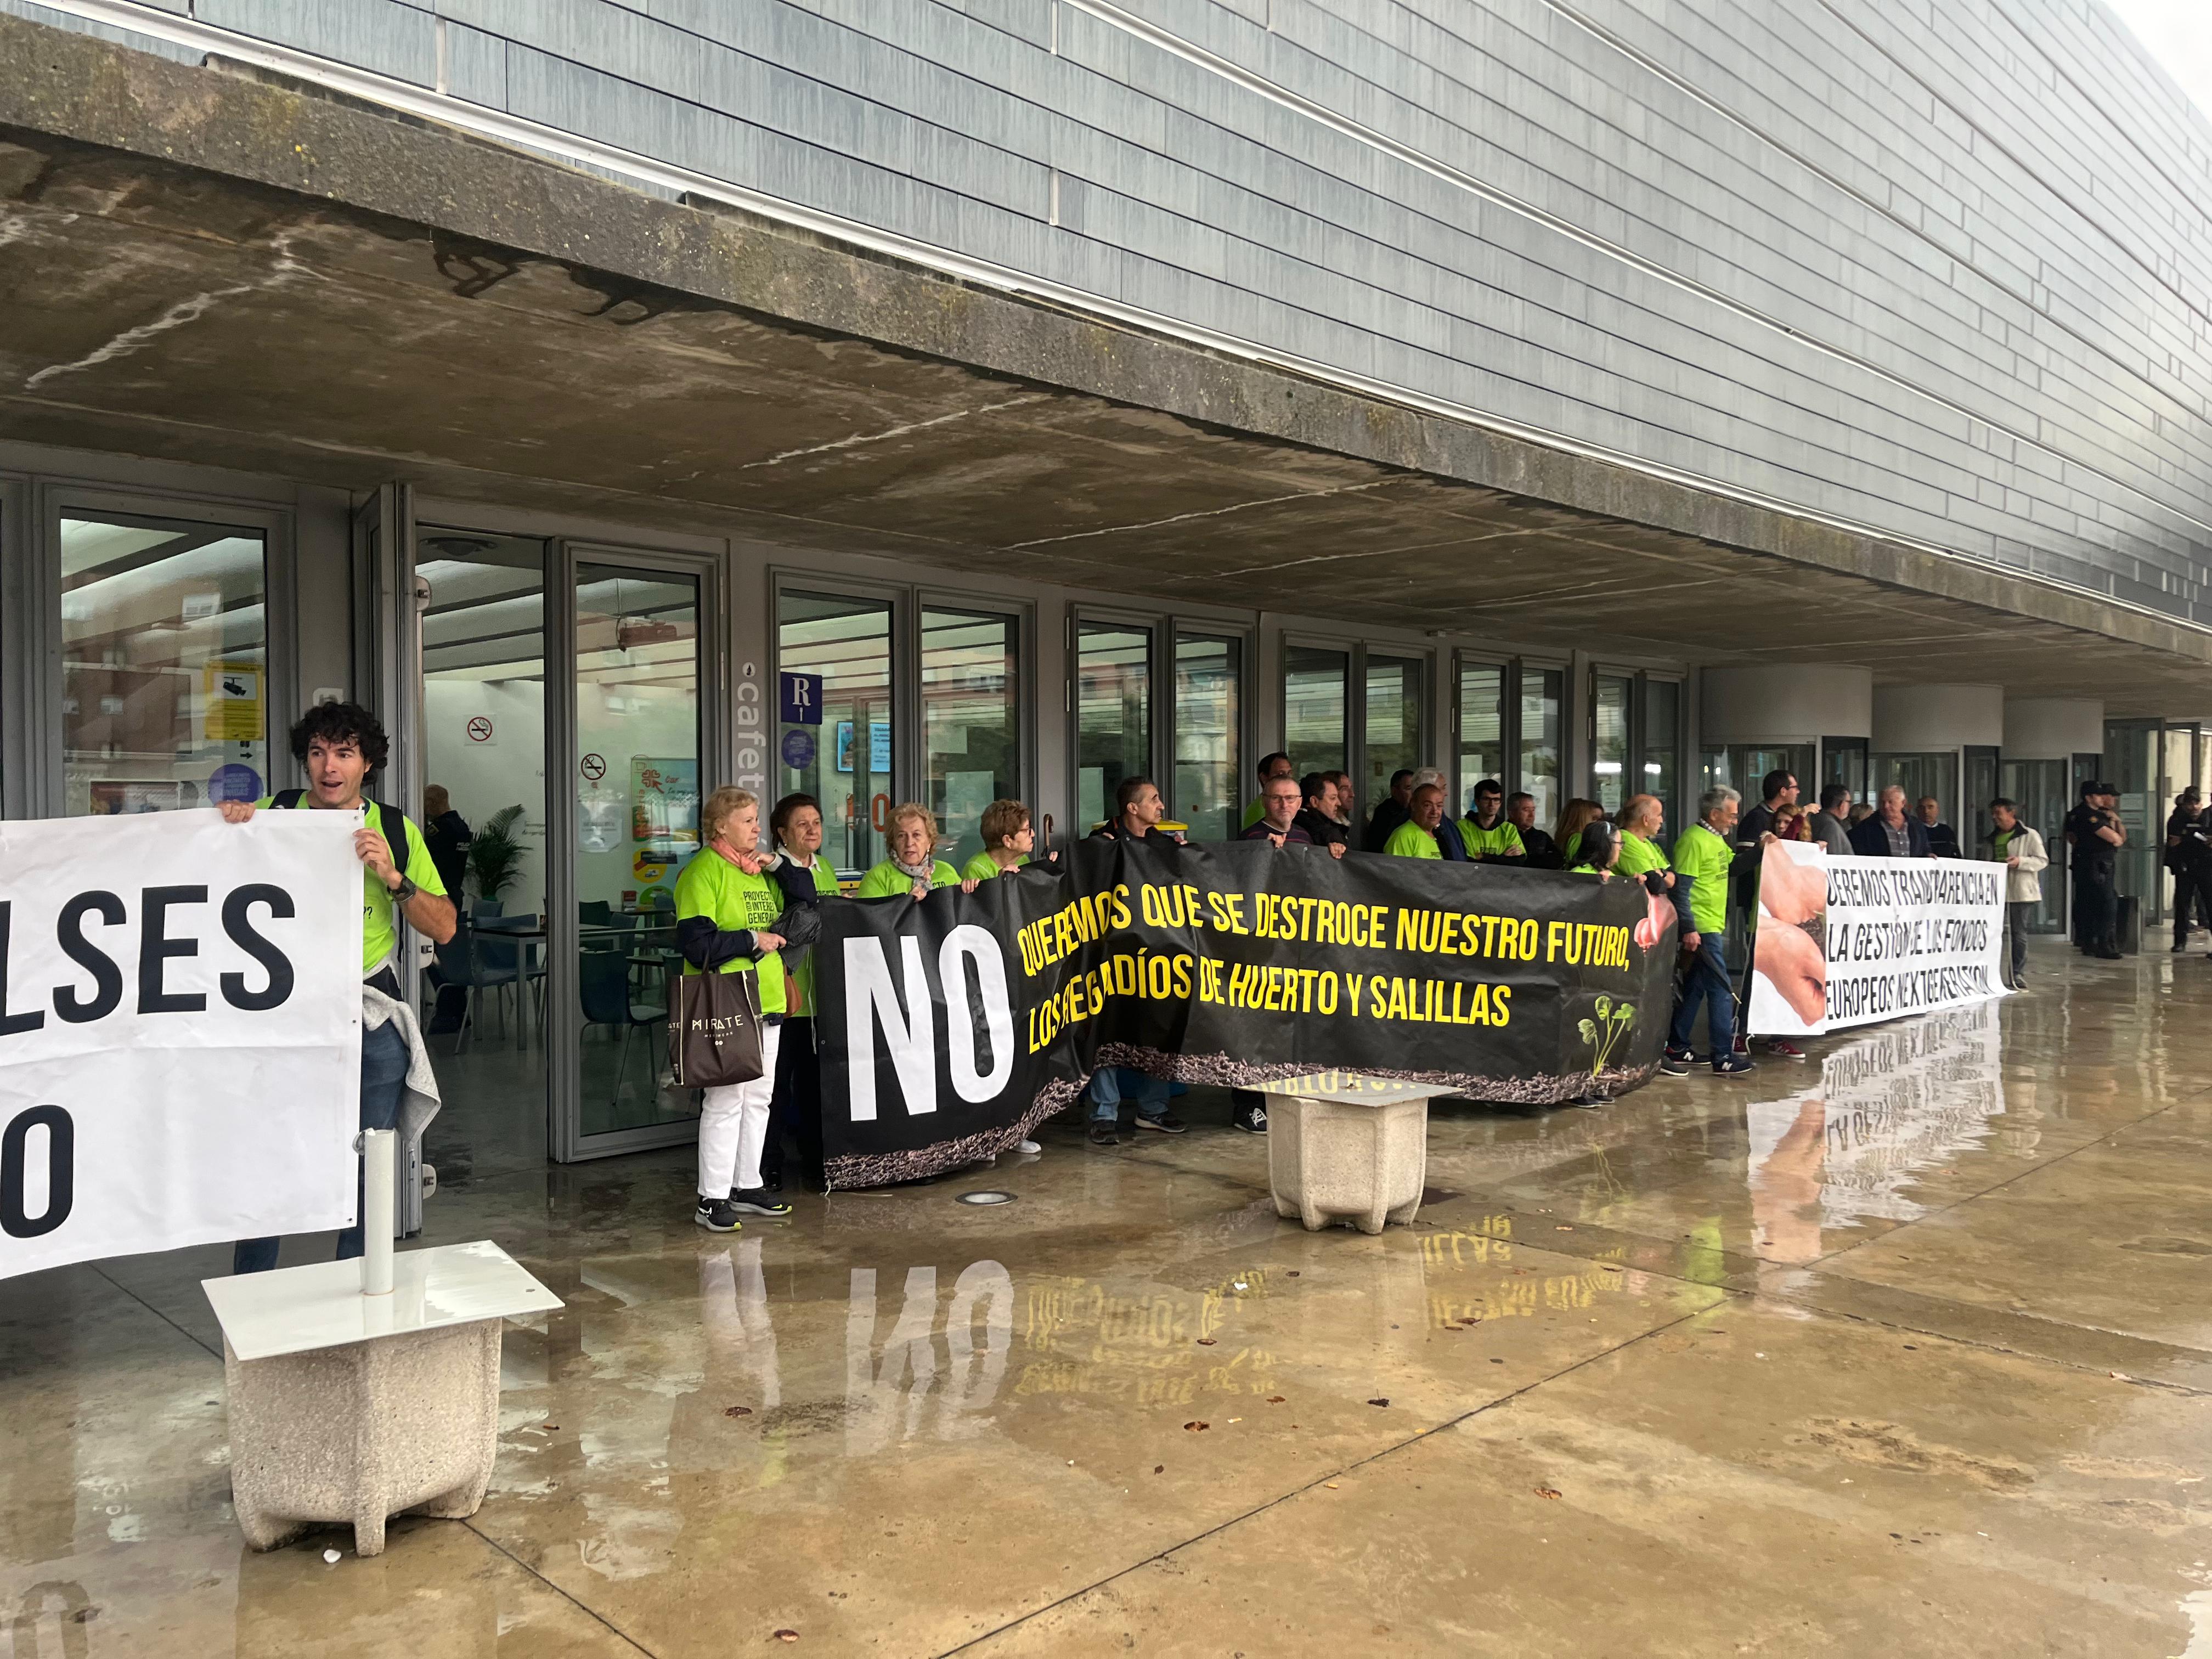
(1925,271)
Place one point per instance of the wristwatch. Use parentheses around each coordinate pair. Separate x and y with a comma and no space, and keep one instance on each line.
(405,891)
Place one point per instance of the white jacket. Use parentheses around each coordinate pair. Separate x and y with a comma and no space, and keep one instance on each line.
(2021,886)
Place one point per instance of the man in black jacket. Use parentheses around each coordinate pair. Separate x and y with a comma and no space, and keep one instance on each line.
(1891,833)
(1138,810)
(1943,839)
(1317,815)
(1543,851)
(1390,811)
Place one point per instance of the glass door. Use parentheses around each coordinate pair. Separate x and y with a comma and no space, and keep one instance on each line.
(2039,789)
(1611,703)
(1209,675)
(971,736)
(482,806)
(1317,710)
(1113,715)
(637,748)
(1843,760)
(1394,687)
(849,761)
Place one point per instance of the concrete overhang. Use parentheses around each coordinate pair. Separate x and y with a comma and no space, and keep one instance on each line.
(202,265)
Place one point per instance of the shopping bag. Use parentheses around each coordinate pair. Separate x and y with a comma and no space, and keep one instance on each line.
(714,1031)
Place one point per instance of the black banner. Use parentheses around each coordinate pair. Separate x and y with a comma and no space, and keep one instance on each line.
(951,1026)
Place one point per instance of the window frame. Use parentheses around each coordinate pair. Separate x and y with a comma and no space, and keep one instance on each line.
(1166,629)
(41,791)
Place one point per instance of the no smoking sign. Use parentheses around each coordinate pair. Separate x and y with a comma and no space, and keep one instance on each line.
(479,728)
(593,767)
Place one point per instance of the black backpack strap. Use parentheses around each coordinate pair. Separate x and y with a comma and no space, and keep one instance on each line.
(393,823)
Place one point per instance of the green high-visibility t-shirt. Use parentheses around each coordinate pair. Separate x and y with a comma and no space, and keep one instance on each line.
(713,887)
(1639,857)
(1705,857)
(1410,841)
(800,999)
(1500,838)
(378,932)
(887,880)
(1999,841)
(1254,812)
(1586,870)
(1572,847)
(982,867)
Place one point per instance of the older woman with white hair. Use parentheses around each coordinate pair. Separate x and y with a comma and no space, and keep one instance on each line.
(729,920)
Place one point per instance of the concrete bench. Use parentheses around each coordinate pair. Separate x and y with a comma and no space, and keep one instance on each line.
(1345,1147)
(348,1408)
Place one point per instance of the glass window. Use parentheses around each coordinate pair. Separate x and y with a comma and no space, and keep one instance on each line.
(637,710)
(1662,744)
(971,728)
(2039,789)
(484,816)
(1317,718)
(1542,692)
(1843,760)
(165,660)
(1748,765)
(1481,728)
(845,762)
(1113,715)
(1393,722)
(1609,748)
(1934,772)
(1208,672)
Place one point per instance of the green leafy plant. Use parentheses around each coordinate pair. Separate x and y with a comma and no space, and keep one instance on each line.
(495,853)
(1603,1034)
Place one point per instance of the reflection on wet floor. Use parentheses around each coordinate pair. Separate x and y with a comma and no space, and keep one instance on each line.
(1900,1099)
(1929,1311)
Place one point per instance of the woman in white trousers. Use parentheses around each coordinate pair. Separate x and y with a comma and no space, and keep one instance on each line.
(727,910)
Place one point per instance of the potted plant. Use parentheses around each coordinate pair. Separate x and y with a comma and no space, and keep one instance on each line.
(495,853)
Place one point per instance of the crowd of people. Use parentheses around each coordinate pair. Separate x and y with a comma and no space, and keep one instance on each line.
(748,903)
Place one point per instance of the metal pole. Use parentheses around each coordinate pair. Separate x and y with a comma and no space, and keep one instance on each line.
(377,1151)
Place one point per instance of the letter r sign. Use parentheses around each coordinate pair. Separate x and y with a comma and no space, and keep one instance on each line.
(802,699)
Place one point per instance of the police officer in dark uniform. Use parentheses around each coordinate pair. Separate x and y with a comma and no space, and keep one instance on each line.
(2094,831)
(2189,855)
(2182,842)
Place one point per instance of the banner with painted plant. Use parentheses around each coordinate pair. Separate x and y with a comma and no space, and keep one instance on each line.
(951,1026)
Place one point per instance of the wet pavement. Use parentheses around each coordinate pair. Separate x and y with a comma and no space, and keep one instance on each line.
(1906,1349)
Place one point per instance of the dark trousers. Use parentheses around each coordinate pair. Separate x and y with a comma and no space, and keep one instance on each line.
(797,1107)
(384,1058)
(2096,908)
(1705,979)
(2192,894)
(2014,959)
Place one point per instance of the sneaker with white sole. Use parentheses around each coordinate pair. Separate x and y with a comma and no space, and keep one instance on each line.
(1676,1062)
(758,1201)
(1782,1048)
(1027,1146)
(717,1215)
(1166,1123)
(1252,1119)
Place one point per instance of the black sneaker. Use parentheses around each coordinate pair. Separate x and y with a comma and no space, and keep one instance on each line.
(1252,1119)
(1676,1062)
(1731,1066)
(1593,1100)
(757,1201)
(1167,1123)
(717,1216)
(1103,1135)
(771,1181)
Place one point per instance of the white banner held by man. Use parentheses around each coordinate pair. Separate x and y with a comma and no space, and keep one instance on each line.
(1845,940)
(179,1031)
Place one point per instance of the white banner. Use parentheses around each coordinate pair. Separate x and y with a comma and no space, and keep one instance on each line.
(1844,941)
(179,1031)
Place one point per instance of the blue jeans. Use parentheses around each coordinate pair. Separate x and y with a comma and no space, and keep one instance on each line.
(384,1058)
(1109,1084)
(1705,979)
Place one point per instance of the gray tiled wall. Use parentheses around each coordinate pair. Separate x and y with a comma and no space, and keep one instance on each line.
(1942,267)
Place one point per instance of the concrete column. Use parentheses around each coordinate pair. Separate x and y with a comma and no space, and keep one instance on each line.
(1926,719)
(2053,728)
(1784,703)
